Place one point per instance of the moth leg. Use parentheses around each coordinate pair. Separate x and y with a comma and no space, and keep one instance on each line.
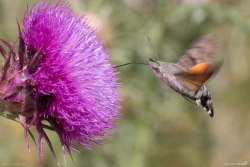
(189,100)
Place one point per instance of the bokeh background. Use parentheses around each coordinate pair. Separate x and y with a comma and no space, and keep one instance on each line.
(157,127)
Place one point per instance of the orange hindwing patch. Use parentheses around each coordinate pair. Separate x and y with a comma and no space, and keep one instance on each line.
(199,68)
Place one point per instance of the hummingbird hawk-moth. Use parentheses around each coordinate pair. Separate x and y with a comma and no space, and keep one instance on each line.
(187,75)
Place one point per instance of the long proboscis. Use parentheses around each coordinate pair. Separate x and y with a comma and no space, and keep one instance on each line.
(129,64)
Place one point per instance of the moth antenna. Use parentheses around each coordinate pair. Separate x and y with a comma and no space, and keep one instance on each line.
(149,40)
(129,64)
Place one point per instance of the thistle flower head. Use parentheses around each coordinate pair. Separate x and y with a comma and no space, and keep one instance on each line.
(60,74)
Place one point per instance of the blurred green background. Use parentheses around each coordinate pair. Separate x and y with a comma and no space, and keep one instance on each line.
(158,127)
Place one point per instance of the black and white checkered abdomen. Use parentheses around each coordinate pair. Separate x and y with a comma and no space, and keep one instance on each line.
(205,101)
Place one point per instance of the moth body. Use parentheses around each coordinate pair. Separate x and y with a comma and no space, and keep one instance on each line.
(166,72)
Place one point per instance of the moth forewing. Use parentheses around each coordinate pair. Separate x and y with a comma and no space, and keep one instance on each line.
(201,51)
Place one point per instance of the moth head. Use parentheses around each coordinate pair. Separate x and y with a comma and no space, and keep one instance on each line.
(155,66)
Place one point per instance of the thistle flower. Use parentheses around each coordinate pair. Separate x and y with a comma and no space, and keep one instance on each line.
(60,75)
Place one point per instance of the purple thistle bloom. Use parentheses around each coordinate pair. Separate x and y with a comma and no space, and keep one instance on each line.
(60,74)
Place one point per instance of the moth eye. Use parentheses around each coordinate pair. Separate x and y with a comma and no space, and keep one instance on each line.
(157,69)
